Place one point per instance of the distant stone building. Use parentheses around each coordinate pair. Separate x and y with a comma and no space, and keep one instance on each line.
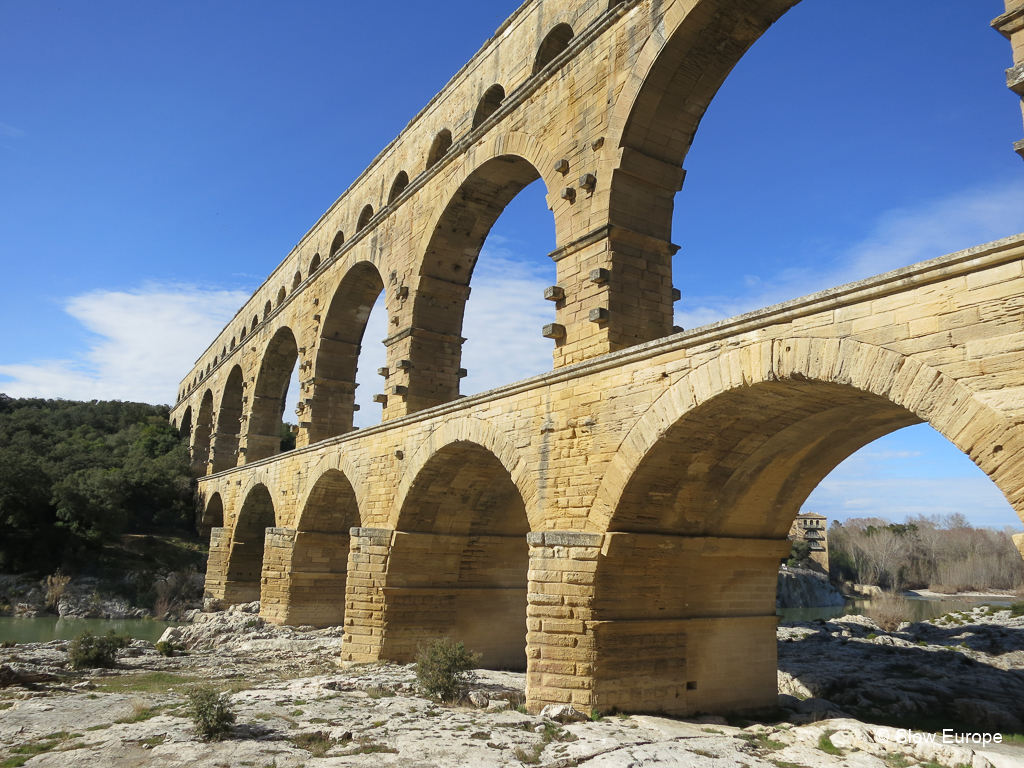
(812,528)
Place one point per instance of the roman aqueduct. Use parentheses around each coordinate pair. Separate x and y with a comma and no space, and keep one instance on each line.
(614,526)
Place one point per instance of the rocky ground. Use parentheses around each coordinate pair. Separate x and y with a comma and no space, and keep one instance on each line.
(848,690)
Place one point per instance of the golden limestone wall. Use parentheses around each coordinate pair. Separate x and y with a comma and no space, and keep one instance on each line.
(613,526)
(659,482)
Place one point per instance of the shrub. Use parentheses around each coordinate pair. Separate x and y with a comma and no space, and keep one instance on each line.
(55,585)
(1017,609)
(167,648)
(88,650)
(889,611)
(442,668)
(209,711)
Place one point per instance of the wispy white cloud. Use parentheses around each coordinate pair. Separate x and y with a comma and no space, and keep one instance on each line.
(11,132)
(143,342)
(900,237)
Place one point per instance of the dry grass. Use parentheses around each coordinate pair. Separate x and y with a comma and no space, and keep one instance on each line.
(889,611)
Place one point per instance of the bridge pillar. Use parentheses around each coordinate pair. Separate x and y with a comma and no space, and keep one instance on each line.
(424,357)
(303,578)
(223,452)
(217,563)
(652,623)
(364,593)
(326,411)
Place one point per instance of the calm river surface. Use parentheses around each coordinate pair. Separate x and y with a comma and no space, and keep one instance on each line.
(52,628)
(43,630)
(921,608)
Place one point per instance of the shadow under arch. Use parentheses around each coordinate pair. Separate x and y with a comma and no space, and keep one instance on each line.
(224,453)
(458,563)
(305,569)
(450,252)
(213,515)
(263,436)
(201,434)
(705,490)
(337,355)
(242,562)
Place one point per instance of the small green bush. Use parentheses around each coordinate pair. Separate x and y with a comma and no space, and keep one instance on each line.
(167,648)
(209,711)
(442,668)
(88,650)
(1017,609)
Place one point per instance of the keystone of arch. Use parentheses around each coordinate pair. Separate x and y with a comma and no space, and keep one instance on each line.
(469,429)
(980,431)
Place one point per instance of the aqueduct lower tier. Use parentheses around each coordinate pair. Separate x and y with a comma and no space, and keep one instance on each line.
(614,527)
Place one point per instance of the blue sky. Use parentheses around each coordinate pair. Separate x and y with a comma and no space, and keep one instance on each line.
(158,159)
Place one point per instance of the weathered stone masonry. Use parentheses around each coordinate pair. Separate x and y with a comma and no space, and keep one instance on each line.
(614,526)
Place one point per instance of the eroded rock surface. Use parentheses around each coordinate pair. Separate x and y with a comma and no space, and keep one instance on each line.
(286,686)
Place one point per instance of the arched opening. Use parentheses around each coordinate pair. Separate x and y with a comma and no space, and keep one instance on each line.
(314,263)
(232,342)
(364,217)
(267,309)
(256,319)
(281,294)
(708,509)
(213,516)
(306,586)
(338,351)
(243,334)
(399,185)
(185,428)
(270,392)
(508,285)
(557,40)
(245,560)
(957,524)
(202,433)
(488,105)
(229,417)
(296,280)
(459,563)
(337,242)
(439,147)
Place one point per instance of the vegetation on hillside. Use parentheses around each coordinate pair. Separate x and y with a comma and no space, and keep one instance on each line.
(76,476)
(943,553)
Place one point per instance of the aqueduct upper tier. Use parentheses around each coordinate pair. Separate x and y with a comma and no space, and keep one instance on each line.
(613,526)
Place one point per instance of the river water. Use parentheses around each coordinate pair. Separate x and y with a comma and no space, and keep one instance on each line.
(921,609)
(42,630)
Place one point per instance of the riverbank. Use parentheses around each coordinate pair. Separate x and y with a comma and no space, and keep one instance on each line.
(846,689)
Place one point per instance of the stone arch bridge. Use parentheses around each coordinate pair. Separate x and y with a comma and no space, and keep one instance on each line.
(614,526)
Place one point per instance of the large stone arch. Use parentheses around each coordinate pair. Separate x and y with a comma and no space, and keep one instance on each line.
(425,360)
(700,496)
(456,566)
(919,391)
(332,399)
(235,566)
(666,93)
(224,449)
(305,568)
(262,436)
(201,434)
(471,430)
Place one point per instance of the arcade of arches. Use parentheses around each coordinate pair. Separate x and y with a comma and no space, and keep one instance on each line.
(614,526)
